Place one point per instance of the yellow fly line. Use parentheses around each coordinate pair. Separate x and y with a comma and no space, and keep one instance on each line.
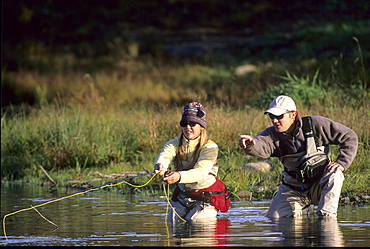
(167,194)
(109,184)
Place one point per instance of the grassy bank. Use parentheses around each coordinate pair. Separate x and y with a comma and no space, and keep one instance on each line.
(73,144)
(117,119)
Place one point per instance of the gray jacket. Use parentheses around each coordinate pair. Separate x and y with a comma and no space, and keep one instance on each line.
(270,143)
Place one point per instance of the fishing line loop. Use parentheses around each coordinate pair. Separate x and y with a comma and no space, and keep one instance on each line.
(56,226)
(109,184)
(167,195)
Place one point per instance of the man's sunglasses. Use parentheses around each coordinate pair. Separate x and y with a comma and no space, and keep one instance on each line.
(272,116)
(191,124)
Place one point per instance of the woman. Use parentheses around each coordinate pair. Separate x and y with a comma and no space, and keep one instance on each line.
(195,159)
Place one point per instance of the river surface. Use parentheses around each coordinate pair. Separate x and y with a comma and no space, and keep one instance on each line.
(104,218)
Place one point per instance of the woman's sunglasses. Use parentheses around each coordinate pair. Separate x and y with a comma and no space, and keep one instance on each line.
(191,124)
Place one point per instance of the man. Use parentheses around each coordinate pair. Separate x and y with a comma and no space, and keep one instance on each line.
(286,140)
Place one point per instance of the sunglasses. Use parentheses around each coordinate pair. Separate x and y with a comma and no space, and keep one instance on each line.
(272,116)
(191,124)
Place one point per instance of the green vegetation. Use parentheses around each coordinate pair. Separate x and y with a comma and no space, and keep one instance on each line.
(111,122)
(81,96)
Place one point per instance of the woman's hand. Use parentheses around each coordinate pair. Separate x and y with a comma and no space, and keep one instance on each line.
(158,169)
(172,177)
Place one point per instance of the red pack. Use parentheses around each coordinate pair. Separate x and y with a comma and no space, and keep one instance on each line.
(217,195)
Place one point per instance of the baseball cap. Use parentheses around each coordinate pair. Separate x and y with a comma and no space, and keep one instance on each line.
(281,105)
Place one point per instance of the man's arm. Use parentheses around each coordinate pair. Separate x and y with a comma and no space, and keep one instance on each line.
(262,145)
(330,132)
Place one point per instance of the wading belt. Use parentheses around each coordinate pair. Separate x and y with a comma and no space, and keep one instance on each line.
(202,195)
(299,189)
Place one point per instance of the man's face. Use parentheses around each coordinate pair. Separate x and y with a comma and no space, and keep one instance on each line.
(283,123)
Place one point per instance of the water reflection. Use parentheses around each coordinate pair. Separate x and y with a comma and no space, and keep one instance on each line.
(208,232)
(309,232)
(113,219)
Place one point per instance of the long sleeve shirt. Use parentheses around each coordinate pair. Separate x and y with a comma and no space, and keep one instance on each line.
(289,148)
(193,177)
(270,143)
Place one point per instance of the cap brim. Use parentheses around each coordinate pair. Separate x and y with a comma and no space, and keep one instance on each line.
(276,111)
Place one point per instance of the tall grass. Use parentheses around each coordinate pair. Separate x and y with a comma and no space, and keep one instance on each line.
(79,142)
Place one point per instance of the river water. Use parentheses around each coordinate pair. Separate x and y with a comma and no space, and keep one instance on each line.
(103,218)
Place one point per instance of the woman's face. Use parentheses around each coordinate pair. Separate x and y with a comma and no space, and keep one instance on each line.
(191,130)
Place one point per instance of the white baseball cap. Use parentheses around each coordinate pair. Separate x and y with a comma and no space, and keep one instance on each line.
(281,105)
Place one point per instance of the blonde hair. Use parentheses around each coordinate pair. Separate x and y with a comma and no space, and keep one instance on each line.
(180,153)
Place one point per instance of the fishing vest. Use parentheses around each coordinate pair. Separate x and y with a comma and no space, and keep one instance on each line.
(303,168)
